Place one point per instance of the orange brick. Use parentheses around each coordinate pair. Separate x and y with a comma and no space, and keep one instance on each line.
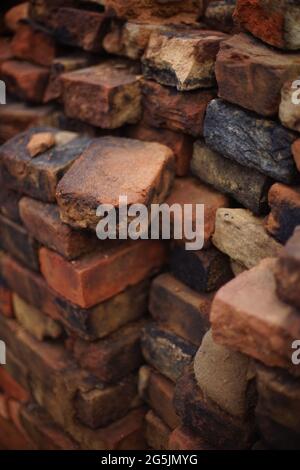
(101,275)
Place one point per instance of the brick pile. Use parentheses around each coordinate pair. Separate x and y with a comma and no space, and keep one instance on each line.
(144,344)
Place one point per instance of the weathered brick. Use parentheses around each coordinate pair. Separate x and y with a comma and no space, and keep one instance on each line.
(15,15)
(16,117)
(112,358)
(25,80)
(43,431)
(242,236)
(158,392)
(34,44)
(129,39)
(89,324)
(261,326)
(275,24)
(157,432)
(85,186)
(225,377)
(191,191)
(78,281)
(181,309)
(114,84)
(184,438)
(43,222)
(285,211)
(247,187)
(249,140)
(102,405)
(16,240)
(251,74)
(166,352)
(182,58)
(181,144)
(155,11)
(43,11)
(222,431)
(80,28)
(289,111)
(202,271)
(38,177)
(34,321)
(178,111)
(218,15)
(61,65)
(287,271)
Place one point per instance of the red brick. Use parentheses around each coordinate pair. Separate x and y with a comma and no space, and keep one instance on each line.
(5,51)
(3,406)
(11,387)
(157,432)
(5,300)
(251,74)
(33,44)
(43,223)
(178,111)
(181,144)
(285,211)
(12,439)
(184,438)
(16,14)
(24,80)
(99,276)
(114,84)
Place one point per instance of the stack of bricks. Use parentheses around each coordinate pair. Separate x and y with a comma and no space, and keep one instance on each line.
(145,344)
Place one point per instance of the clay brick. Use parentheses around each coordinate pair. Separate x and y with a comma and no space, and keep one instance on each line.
(11,387)
(18,117)
(218,15)
(15,15)
(61,65)
(24,80)
(251,74)
(191,191)
(112,358)
(225,377)
(184,438)
(85,186)
(285,211)
(275,24)
(182,58)
(34,44)
(261,326)
(279,402)
(166,352)
(102,405)
(242,236)
(34,321)
(167,108)
(106,95)
(43,431)
(43,222)
(289,113)
(179,308)
(157,391)
(6,307)
(129,39)
(89,324)
(287,271)
(247,187)
(222,431)
(38,177)
(202,271)
(181,144)
(154,11)
(55,382)
(80,28)
(157,433)
(251,141)
(118,267)
(16,240)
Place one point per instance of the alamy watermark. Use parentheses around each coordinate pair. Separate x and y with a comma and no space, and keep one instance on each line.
(2,92)
(296,92)
(157,222)
(2,353)
(296,353)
